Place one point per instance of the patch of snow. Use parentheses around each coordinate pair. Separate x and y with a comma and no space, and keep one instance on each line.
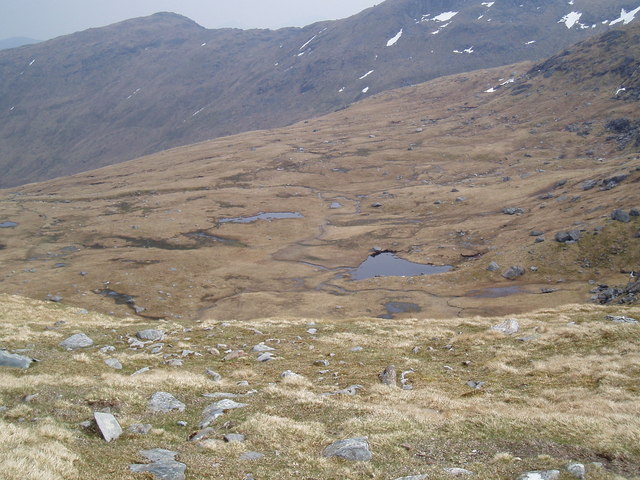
(626,17)
(301,53)
(204,44)
(468,50)
(393,40)
(457,51)
(487,4)
(197,112)
(445,16)
(308,42)
(11,109)
(530,42)
(480,17)
(366,74)
(341,90)
(570,2)
(276,64)
(570,19)
(621,89)
(511,80)
(365,89)
(34,60)
(491,90)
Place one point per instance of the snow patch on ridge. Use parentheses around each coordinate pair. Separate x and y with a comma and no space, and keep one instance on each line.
(393,40)
(570,19)
(626,17)
(366,74)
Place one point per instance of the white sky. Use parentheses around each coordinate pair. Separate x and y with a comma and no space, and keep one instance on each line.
(45,19)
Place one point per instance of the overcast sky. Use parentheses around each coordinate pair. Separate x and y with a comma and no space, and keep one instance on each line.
(45,19)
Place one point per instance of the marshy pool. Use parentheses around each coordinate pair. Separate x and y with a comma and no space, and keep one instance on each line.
(262,216)
(8,224)
(388,264)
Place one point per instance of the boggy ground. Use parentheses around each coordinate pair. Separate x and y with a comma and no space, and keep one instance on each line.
(440,160)
(562,389)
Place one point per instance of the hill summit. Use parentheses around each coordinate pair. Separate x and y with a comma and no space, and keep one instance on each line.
(111,94)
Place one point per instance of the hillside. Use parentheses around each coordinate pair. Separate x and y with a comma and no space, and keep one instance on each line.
(111,94)
(558,396)
(462,172)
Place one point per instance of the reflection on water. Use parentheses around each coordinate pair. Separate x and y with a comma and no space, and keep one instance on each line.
(262,216)
(8,224)
(387,264)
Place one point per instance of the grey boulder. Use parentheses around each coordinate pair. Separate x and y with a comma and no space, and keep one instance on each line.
(163,467)
(512,272)
(620,215)
(163,402)
(540,475)
(354,449)
(79,340)
(151,335)
(108,426)
(14,360)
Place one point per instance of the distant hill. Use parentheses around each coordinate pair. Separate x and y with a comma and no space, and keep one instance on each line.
(14,42)
(111,94)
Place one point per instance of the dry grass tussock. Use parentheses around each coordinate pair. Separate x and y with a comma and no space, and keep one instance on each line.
(564,388)
(36,452)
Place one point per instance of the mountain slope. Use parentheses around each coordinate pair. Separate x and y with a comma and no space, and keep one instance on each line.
(15,42)
(106,95)
(458,171)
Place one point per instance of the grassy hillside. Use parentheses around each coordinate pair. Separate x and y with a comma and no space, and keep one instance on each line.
(561,390)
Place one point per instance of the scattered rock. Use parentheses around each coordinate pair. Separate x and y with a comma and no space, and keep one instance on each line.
(376,205)
(577,470)
(203,434)
(54,298)
(79,340)
(458,472)
(475,385)
(251,456)
(388,376)
(493,267)
(512,211)
(356,349)
(290,374)
(355,449)
(535,233)
(214,375)
(234,354)
(217,409)
(140,428)
(589,184)
(261,347)
(265,357)
(174,362)
(113,363)
(565,237)
(540,475)
(512,272)
(163,402)
(321,363)
(508,327)
(108,426)
(620,216)
(350,390)
(414,477)
(621,319)
(14,360)
(163,466)
(234,438)
(182,423)
(634,212)
(140,371)
(152,335)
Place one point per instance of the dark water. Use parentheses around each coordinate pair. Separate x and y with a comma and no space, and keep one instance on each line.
(262,216)
(119,298)
(399,307)
(387,264)
(8,224)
